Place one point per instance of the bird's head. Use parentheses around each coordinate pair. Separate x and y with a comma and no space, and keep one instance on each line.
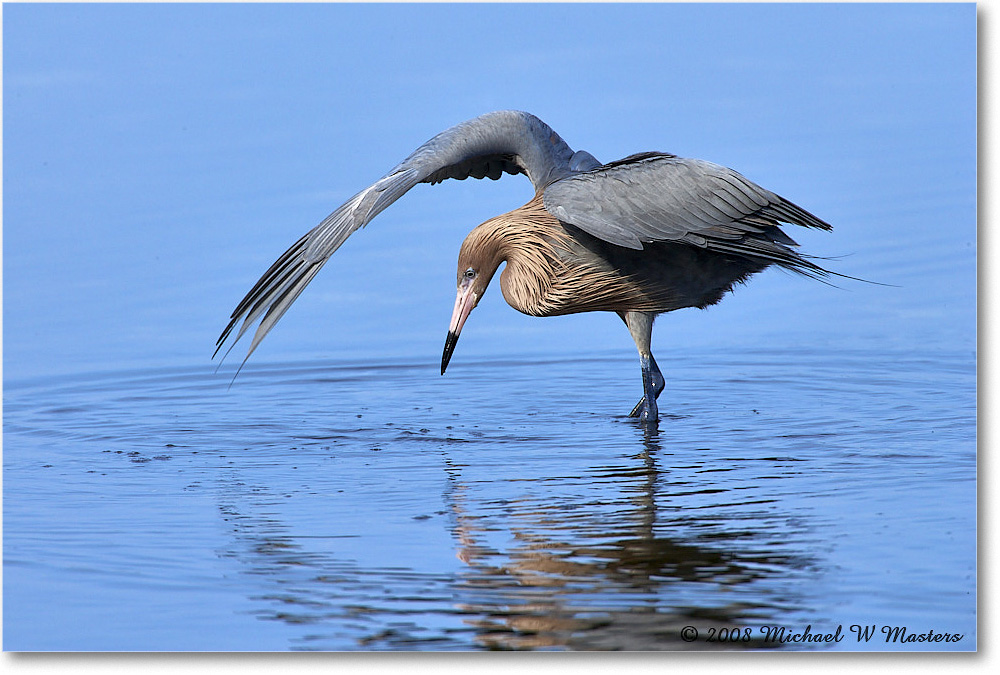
(478,261)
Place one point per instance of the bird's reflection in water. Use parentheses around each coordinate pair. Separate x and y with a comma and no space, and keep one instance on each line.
(619,559)
(600,580)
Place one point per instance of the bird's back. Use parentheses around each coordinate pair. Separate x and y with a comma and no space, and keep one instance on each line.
(557,268)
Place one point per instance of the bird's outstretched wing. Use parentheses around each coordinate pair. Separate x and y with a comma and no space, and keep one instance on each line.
(485,147)
(654,197)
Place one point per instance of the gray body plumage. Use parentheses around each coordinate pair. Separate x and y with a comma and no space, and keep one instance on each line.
(648,202)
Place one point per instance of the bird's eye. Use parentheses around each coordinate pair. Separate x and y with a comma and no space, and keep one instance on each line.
(470,273)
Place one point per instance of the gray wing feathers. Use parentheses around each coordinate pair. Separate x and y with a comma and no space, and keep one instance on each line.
(657,197)
(356,212)
(488,146)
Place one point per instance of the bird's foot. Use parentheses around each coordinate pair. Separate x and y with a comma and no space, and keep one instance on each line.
(639,407)
(643,411)
(652,385)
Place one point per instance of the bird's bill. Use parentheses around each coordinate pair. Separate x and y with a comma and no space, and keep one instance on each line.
(464,303)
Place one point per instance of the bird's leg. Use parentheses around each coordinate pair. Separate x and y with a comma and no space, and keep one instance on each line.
(640,326)
(652,383)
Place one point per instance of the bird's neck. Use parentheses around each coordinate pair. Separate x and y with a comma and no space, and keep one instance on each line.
(529,240)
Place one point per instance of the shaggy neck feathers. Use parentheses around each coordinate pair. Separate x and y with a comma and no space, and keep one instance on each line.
(531,242)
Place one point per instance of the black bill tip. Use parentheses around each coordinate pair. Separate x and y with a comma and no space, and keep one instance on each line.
(449,347)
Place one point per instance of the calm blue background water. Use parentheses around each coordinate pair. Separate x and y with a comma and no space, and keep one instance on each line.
(816,463)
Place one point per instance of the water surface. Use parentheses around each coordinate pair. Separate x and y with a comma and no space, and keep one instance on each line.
(511,506)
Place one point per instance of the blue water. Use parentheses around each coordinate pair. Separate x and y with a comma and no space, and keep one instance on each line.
(305,509)
(815,464)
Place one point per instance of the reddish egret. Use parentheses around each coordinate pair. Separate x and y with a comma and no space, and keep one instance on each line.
(644,235)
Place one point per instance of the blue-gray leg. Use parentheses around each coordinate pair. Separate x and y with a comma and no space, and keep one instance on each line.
(640,326)
(652,386)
